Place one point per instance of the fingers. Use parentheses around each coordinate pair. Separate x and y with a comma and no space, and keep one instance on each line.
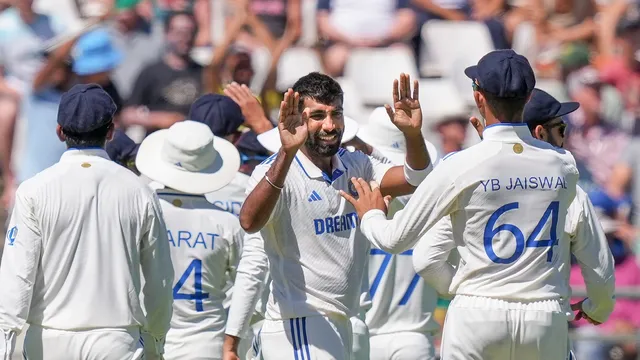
(403,86)
(283,110)
(296,102)
(246,90)
(396,96)
(387,200)
(477,125)
(358,187)
(348,197)
(407,86)
(416,90)
(389,112)
(290,100)
(366,188)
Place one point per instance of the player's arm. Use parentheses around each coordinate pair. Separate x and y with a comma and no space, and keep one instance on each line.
(265,191)
(406,115)
(249,282)
(435,198)
(155,261)
(20,260)
(431,254)
(591,249)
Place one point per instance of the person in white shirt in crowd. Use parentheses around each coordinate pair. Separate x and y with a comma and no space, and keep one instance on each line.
(81,233)
(588,242)
(507,197)
(185,162)
(400,321)
(316,254)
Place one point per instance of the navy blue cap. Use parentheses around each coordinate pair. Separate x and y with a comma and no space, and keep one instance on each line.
(219,112)
(503,73)
(85,108)
(248,143)
(543,107)
(121,148)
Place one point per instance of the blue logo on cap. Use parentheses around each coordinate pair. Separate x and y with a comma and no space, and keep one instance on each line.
(12,235)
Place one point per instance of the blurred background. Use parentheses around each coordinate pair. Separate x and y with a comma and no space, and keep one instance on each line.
(155,57)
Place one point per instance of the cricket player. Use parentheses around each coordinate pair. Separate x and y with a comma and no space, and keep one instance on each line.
(316,254)
(80,234)
(185,162)
(588,243)
(400,320)
(507,198)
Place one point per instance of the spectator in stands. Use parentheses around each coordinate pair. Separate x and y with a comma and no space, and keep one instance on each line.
(162,9)
(625,179)
(625,318)
(165,90)
(277,17)
(592,141)
(616,12)
(453,132)
(23,33)
(140,42)
(345,25)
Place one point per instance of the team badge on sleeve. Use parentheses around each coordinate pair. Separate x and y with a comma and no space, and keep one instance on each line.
(12,234)
(352,190)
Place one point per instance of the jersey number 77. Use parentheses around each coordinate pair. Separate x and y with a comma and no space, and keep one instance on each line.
(490,231)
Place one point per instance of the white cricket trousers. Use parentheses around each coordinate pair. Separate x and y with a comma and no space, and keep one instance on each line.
(478,328)
(402,346)
(103,344)
(360,333)
(306,338)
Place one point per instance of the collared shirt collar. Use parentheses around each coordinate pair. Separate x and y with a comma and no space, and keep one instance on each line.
(507,132)
(314,172)
(73,152)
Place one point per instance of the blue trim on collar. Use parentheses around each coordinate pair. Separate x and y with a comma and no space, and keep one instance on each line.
(185,195)
(329,179)
(505,124)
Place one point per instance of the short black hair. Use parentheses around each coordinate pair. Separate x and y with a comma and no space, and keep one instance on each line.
(173,14)
(319,87)
(506,109)
(95,138)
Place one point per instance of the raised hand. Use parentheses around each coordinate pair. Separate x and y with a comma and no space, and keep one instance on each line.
(250,106)
(406,114)
(291,123)
(477,124)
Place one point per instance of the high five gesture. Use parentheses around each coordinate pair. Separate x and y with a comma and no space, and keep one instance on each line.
(292,124)
(406,113)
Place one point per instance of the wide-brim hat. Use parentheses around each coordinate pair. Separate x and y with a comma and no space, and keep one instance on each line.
(271,139)
(385,137)
(187,157)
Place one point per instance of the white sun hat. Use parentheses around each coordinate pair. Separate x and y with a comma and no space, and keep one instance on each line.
(271,139)
(385,137)
(187,157)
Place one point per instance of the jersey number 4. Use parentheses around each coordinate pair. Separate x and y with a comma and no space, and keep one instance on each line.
(196,268)
(490,231)
(383,268)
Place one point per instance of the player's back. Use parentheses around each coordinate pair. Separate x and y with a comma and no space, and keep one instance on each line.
(92,214)
(205,247)
(401,301)
(509,233)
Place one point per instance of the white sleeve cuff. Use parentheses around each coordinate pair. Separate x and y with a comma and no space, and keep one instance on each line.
(415,177)
(152,345)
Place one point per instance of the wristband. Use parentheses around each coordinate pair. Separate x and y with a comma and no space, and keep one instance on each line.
(415,177)
(272,184)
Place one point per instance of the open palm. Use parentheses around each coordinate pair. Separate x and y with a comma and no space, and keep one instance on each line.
(406,114)
(291,123)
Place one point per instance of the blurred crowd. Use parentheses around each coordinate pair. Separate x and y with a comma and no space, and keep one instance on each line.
(156,57)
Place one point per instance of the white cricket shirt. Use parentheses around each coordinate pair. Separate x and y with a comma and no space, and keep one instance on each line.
(316,252)
(582,232)
(80,233)
(231,197)
(205,243)
(507,197)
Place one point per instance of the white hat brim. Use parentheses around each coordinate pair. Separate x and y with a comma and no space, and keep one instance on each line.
(270,140)
(396,156)
(219,174)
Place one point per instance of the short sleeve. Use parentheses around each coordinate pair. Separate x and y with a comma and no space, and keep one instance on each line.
(258,173)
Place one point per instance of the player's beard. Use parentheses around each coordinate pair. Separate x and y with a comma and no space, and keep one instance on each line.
(316,146)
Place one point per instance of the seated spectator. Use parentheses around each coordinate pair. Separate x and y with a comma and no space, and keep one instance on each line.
(165,90)
(556,23)
(590,139)
(345,25)
(162,9)
(625,179)
(139,41)
(625,318)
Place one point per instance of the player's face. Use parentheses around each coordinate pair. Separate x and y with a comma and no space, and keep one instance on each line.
(326,125)
(552,132)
